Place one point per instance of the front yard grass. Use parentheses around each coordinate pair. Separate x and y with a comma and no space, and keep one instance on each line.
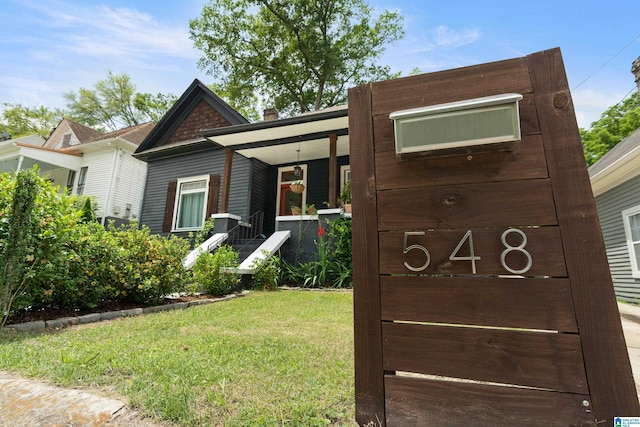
(270,358)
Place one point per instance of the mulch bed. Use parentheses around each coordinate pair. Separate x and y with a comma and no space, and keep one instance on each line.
(24,316)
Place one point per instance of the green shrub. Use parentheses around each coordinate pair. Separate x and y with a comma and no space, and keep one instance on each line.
(206,232)
(151,266)
(81,275)
(211,273)
(267,274)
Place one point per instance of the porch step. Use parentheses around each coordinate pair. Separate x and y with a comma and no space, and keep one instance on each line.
(263,252)
(247,247)
(209,245)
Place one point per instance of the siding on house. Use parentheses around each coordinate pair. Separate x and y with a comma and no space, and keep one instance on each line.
(211,161)
(610,206)
(128,187)
(100,165)
(263,194)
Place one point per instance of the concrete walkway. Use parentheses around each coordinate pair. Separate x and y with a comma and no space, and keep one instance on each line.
(31,403)
(630,317)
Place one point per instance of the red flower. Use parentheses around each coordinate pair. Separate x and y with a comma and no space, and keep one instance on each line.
(320,231)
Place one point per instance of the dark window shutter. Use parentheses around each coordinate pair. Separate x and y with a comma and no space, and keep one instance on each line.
(212,196)
(168,207)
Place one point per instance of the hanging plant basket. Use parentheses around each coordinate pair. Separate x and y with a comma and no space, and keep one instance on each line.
(297,187)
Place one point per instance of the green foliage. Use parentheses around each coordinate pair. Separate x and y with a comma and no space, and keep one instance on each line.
(19,121)
(19,240)
(211,270)
(267,273)
(203,234)
(151,265)
(113,103)
(74,264)
(615,124)
(88,212)
(298,55)
(333,265)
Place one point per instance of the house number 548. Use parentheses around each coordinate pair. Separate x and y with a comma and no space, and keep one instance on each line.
(467,239)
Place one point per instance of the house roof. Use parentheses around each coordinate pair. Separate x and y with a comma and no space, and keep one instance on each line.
(82,132)
(157,140)
(278,141)
(135,134)
(619,165)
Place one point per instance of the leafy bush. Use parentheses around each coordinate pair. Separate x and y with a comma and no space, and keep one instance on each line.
(211,270)
(206,232)
(75,263)
(267,273)
(151,265)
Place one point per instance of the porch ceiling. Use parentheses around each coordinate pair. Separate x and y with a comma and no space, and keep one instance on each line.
(45,158)
(276,142)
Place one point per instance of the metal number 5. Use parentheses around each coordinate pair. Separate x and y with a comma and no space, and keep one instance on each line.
(406,249)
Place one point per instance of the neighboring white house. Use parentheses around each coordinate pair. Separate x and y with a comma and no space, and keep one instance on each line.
(87,162)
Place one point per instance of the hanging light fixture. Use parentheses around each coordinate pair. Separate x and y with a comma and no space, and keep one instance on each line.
(297,170)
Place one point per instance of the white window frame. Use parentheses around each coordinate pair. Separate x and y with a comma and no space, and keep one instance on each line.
(176,205)
(626,214)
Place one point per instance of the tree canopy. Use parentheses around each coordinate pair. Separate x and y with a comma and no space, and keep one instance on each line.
(113,103)
(19,121)
(296,55)
(615,124)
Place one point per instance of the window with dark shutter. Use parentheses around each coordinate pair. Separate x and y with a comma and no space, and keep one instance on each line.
(168,207)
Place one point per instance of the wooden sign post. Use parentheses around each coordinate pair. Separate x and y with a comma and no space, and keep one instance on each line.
(482,291)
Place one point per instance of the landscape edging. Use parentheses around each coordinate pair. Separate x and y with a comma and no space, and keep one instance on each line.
(63,322)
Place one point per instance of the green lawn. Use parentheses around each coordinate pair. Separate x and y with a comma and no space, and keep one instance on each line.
(270,358)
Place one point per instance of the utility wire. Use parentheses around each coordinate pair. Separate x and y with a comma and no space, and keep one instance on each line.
(615,105)
(609,60)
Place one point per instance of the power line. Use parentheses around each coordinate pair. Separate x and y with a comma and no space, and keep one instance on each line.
(615,105)
(609,60)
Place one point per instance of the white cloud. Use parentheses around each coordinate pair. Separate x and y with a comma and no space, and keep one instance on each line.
(98,30)
(590,104)
(446,37)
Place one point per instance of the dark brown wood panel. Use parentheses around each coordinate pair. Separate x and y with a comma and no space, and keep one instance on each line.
(525,161)
(514,203)
(452,85)
(533,359)
(544,245)
(516,303)
(422,402)
(369,383)
(608,369)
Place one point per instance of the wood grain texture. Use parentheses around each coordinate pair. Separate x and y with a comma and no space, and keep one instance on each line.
(608,369)
(544,304)
(369,395)
(451,85)
(417,402)
(533,359)
(512,203)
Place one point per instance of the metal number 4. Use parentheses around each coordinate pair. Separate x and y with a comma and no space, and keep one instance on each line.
(468,237)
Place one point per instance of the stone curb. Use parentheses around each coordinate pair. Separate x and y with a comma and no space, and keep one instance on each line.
(65,322)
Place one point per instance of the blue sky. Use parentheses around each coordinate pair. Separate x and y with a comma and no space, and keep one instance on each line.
(50,47)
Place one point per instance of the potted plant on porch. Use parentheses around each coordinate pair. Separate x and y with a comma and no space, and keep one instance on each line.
(345,197)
